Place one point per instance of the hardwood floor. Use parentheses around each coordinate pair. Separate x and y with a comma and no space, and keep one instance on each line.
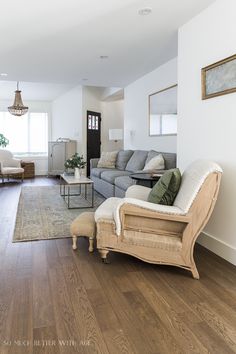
(56,300)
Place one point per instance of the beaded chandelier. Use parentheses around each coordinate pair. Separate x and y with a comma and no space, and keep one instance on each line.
(18,108)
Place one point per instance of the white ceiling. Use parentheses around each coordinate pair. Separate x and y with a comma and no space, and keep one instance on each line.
(60,41)
(32,91)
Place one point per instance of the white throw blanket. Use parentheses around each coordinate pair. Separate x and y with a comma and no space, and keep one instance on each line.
(192,180)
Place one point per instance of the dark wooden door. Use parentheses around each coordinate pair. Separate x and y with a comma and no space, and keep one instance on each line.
(93,137)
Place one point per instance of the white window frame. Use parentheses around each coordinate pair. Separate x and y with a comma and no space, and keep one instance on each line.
(166,107)
(161,125)
(34,155)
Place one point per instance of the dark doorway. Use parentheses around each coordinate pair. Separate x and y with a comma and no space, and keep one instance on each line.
(93,137)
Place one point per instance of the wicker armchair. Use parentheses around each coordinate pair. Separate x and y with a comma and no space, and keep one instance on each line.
(157,233)
(9,166)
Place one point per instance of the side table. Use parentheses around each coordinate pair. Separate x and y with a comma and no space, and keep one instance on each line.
(29,168)
(146,177)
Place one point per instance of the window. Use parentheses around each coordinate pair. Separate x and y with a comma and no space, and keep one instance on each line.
(169,124)
(93,122)
(28,135)
(163,124)
(163,112)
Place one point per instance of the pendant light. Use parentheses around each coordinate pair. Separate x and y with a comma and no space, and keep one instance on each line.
(18,108)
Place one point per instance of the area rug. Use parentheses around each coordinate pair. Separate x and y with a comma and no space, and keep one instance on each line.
(43,214)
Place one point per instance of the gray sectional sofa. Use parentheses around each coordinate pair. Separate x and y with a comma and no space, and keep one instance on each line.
(114,182)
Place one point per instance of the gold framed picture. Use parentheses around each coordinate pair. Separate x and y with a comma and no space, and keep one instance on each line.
(219,78)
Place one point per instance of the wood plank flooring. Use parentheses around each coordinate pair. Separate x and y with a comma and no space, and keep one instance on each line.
(56,300)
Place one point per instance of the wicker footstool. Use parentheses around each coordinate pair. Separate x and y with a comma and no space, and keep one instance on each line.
(83,225)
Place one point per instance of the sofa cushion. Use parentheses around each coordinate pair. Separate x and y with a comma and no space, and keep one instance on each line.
(166,189)
(123,158)
(137,161)
(169,158)
(98,171)
(124,182)
(107,160)
(110,176)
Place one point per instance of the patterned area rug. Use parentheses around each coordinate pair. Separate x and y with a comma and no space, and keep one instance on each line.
(42,213)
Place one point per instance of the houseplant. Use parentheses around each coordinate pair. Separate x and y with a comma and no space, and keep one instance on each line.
(3,141)
(77,163)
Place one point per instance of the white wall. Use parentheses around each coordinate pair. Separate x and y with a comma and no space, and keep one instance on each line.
(91,102)
(67,117)
(41,162)
(136,120)
(207,128)
(112,113)
(112,118)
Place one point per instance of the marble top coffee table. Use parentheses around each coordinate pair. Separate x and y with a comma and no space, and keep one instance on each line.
(68,181)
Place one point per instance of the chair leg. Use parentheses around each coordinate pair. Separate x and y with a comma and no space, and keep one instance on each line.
(22,177)
(90,244)
(103,254)
(194,272)
(3,179)
(74,240)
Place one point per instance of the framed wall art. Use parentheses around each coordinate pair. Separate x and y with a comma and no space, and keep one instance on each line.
(219,78)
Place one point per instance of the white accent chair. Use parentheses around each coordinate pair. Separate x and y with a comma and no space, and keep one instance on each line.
(9,166)
(157,233)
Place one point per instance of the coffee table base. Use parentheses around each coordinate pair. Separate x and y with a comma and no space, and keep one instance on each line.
(67,195)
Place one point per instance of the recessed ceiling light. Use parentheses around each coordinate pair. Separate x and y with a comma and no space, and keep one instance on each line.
(103,56)
(145,11)
(3,74)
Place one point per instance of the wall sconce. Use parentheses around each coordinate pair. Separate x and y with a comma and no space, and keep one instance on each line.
(116,134)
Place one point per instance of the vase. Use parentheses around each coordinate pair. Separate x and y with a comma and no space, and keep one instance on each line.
(78,172)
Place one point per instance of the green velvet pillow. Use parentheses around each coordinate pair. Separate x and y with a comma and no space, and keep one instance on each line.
(166,189)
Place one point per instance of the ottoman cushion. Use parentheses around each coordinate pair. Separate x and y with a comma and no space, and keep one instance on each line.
(84,225)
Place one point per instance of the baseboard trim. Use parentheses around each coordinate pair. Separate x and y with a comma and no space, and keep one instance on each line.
(221,248)
(41,172)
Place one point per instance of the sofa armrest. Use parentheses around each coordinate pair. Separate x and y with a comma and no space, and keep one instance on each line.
(138,192)
(11,163)
(15,163)
(93,163)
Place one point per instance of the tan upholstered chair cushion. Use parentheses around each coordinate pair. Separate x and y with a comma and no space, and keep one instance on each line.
(167,243)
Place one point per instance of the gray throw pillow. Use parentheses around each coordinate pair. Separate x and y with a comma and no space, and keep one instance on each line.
(137,161)
(166,189)
(123,158)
